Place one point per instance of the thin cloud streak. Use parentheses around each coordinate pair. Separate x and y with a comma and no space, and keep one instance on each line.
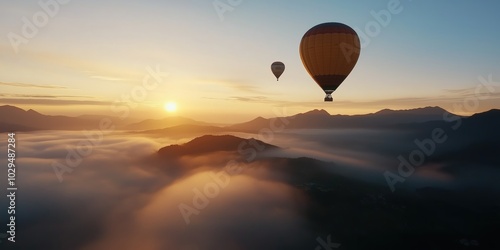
(30,85)
(44,96)
(54,102)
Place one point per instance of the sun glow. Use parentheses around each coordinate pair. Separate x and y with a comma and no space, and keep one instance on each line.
(170,107)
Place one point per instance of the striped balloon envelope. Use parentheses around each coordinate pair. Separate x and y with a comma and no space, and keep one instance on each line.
(329,52)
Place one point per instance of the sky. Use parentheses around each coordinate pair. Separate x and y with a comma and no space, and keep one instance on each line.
(212,58)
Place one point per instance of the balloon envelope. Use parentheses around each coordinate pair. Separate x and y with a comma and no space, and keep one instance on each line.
(329,52)
(277,68)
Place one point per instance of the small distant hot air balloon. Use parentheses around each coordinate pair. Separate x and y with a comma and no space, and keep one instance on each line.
(278,68)
(329,52)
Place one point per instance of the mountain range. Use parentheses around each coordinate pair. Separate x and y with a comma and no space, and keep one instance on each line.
(322,119)
(17,119)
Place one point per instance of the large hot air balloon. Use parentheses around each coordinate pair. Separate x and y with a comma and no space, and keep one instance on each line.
(277,68)
(329,52)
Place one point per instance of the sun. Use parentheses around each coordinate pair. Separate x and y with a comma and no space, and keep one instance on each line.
(170,107)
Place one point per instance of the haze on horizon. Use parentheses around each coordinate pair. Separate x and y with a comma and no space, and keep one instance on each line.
(91,55)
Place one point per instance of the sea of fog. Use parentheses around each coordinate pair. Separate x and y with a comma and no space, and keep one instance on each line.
(109,192)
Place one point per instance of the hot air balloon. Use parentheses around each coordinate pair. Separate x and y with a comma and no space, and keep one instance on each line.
(277,68)
(329,52)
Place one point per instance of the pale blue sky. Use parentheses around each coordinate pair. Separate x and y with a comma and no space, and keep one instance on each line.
(92,52)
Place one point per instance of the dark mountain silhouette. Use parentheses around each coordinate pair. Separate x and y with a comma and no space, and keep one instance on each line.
(426,112)
(388,119)
(18,119)
(485,124)
(315,114)
(475,139)
(209,144)
(22,120)
(250,126)
(322,119)
(478,127)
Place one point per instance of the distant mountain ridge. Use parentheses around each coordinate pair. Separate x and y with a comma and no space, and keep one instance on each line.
(17,119)
(322,119)
(20,120)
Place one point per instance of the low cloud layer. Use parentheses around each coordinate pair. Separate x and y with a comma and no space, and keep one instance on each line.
(119,197)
